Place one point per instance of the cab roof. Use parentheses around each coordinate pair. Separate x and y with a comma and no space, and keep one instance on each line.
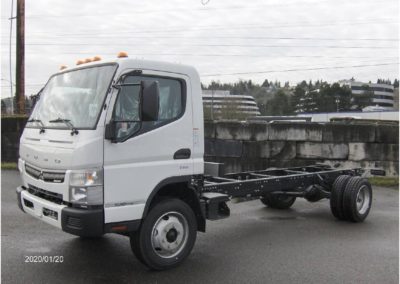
(128,63)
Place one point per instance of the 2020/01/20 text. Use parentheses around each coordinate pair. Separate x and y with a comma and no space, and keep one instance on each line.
(44,259)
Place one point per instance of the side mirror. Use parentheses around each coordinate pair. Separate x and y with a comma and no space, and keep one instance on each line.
(110,133)
(150,100)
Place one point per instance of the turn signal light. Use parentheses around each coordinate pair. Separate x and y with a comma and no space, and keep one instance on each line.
(122,54)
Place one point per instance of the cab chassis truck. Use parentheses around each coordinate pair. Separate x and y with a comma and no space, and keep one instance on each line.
(117,147)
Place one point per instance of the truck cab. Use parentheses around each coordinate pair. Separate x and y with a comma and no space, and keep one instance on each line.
(106,139)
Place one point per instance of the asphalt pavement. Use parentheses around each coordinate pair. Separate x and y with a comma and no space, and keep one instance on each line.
(255,245)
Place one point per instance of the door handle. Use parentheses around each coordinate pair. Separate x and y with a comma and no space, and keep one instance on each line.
(182,154)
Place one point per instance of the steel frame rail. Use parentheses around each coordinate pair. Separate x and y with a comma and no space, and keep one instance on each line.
(293,181)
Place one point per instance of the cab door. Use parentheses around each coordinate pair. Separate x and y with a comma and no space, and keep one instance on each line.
(146,152)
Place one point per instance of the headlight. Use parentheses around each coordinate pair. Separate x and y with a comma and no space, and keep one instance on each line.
(86,187)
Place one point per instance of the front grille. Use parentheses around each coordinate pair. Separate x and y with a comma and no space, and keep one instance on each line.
(74,222)
(57,177)
(48,195)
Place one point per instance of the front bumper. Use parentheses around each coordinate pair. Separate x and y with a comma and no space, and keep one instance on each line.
(80,222)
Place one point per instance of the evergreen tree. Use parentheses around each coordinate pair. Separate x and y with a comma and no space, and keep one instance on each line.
(279,104)
(265,83)
(296,100)
(364,99)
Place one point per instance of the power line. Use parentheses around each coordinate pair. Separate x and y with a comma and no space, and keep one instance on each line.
(90,53)
(217,45)
(231,37)
(298,69)
(246,27)
(303,24)
(27,85)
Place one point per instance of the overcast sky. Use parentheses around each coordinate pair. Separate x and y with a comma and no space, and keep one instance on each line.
(225,40)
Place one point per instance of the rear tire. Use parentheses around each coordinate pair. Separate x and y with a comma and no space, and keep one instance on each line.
(166,236)
(336,199)
(278,201)
(357,199)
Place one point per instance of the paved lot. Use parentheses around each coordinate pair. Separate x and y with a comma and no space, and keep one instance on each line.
(256,245)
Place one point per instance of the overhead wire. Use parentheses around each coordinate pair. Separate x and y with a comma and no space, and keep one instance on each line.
(298,69)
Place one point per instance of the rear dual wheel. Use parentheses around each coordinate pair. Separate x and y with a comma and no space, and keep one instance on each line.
(351,198)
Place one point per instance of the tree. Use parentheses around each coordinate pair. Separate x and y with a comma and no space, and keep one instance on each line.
(207,113)
(279,104)
(364,99)
(342,96)
(230,110)
(296,101)
(265,83)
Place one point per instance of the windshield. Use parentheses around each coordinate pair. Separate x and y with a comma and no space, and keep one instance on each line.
(76,97)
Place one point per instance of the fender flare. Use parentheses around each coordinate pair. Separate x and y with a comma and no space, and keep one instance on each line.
(177,180)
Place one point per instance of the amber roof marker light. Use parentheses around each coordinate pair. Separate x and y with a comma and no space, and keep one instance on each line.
(79,62)
(96,58)
(122,54)
(62,67)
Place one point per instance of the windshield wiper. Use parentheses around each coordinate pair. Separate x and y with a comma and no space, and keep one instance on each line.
(67,122)
(42,129)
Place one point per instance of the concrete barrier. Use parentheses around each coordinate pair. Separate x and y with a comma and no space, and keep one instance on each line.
(257,145)
(11,130)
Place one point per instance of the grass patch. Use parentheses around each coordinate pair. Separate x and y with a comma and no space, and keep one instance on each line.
(8,116)
(8,166)
(384,181)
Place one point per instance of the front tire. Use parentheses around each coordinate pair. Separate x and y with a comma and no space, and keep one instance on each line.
(166,236)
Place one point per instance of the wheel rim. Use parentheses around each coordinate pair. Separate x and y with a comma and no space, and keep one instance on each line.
(169,234)
(363,199)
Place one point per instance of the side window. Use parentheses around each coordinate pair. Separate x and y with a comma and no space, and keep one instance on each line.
(127,106)
(170,99)
(126,111)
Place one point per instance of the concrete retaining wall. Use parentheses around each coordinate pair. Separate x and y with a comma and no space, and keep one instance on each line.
(260,145)
(11,130)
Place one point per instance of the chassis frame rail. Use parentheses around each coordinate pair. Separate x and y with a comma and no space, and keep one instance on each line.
(291,181)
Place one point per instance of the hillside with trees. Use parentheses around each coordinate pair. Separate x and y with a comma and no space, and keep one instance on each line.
(275,98)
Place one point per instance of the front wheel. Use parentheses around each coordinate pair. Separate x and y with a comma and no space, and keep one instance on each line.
(166,236)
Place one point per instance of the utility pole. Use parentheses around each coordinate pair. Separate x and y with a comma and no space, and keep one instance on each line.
(212,104)
(10,57)
(20,57)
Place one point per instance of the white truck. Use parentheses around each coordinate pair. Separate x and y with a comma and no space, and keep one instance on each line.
(117,147)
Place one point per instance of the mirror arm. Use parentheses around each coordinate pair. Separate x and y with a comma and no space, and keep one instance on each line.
(118,86)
